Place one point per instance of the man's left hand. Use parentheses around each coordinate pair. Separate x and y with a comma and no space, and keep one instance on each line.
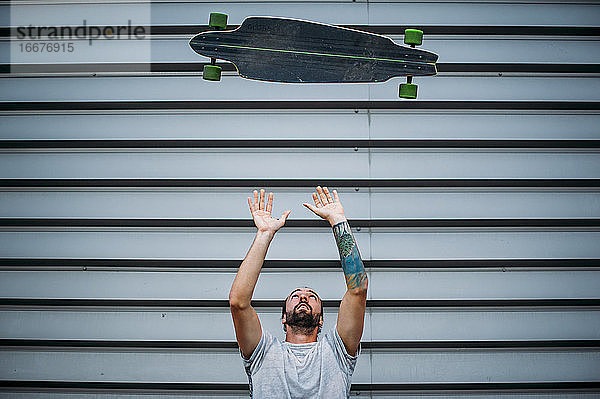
(327,206)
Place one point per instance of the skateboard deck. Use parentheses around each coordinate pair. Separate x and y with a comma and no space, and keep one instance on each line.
(298,51)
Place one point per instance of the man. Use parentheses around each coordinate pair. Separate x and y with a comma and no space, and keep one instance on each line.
(301,366)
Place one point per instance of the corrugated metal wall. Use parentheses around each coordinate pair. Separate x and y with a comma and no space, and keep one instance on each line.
(124,216)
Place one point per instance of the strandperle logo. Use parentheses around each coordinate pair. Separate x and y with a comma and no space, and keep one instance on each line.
(82,31)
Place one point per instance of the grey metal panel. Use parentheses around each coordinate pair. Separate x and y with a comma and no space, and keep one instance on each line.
(487,164)
(455,324)
(102,50)
(379,124)
(452,88)
(162,324)
(198,124)
(483,366)
(380,204)
(511,395)
(205,243)
(73,14)
(482,13)
(152,366)
(162,395)
(178,395)
(159,285)
(482,244)
(381,324)
(520,49)
(165,88)
(169,88)
(479,125)
(200,163)
(277,285)
(488,285)
(335,12)
(226,366)
(509,88)
(479,204)
(342,124)
(118,395)
(184,13)
(184,203)
(387,13)
(192,243)
(302,163)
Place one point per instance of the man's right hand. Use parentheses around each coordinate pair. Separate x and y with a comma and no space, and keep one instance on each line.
(262,215)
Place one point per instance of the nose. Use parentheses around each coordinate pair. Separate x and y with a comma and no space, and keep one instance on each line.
(304,298)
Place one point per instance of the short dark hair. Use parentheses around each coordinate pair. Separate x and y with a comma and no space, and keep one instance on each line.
(283,312)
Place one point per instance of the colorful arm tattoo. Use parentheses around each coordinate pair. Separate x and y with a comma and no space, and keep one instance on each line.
(349,255)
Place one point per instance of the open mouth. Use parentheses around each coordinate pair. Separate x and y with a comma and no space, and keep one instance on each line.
(303,305)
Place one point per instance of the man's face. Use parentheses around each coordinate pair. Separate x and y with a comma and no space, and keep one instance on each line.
(303,309)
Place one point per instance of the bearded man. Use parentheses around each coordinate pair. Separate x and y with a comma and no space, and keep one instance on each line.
(301,366)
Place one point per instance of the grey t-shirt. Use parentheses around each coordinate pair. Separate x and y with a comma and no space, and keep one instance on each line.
(279,369)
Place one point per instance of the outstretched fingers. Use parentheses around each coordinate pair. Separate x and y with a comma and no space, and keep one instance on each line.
(317,201)
(322,196)
(255,203)
(269,203)
(261,203)
(329,198)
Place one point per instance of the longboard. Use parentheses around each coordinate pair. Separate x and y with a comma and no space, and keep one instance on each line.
(298,51)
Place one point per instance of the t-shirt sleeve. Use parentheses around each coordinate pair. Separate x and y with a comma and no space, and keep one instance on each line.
(346,362)
(254,362)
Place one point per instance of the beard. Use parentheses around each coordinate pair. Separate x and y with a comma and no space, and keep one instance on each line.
(302,321)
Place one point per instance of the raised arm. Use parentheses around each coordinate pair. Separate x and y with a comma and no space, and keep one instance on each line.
(245,320)
(351,315)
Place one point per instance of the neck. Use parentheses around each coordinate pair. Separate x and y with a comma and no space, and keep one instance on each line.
(299,336)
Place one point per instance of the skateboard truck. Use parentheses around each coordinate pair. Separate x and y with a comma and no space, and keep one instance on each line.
(216,21)
(412,37)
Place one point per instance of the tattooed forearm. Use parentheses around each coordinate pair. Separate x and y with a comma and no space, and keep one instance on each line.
(350,257)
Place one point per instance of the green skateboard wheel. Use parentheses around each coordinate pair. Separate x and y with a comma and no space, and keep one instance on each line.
(413,36)
(408,90)
(211,72)
(217,20)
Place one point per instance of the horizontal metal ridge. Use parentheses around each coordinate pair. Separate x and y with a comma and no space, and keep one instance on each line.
(184,344)
(298,143)
(295,104)
(446,387)
(293,264)
(277,303)
(503,30)
(366,223)
(356,183)
(165,67)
